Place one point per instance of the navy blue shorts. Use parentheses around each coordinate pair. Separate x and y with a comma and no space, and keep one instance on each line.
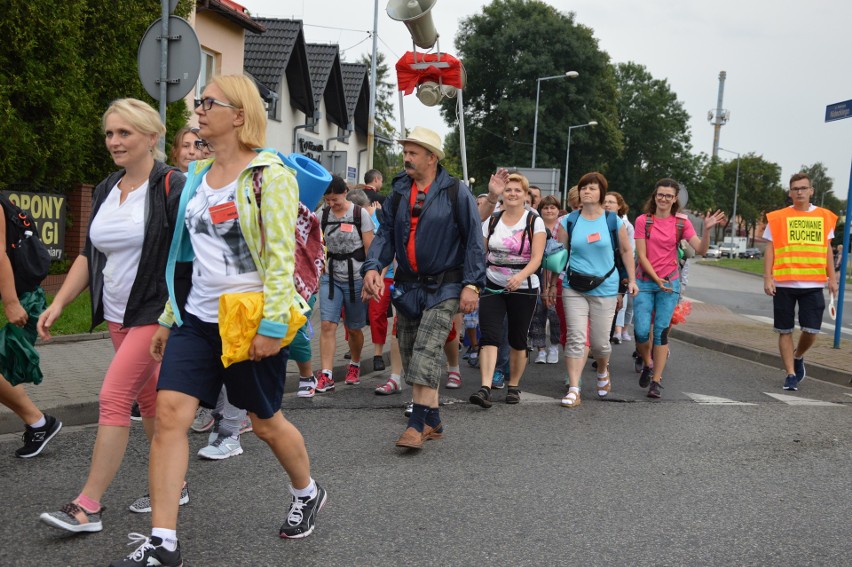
(811,303)
(192,365)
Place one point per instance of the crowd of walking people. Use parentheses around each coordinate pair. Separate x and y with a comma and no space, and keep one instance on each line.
(501,280)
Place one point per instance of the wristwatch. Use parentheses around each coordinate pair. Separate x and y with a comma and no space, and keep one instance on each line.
(472,287)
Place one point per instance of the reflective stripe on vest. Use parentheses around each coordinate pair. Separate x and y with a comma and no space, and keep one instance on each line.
(800,241)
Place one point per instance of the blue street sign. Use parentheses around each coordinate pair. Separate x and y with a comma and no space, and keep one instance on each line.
(838,111)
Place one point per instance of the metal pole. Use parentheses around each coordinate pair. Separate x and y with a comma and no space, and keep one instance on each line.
(736,194)
(371,121)
(461,138)
(164,66)
(565,186)
(535,124)
(717,125)
(841,291)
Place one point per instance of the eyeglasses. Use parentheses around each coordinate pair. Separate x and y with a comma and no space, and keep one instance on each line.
(418,204)
(201,145)
(207,103)
(665,196)
(799,189)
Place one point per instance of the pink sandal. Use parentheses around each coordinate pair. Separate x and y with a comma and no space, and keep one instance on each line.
(388,388)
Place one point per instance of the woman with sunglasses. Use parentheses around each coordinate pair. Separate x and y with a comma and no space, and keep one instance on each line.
(240,238)
(123,265)
(658,233)
(514,245)
(589,309)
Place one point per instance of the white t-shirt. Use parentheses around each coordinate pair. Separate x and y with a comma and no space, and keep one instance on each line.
(767,235)
(504,248)
(118,230)
(223,262)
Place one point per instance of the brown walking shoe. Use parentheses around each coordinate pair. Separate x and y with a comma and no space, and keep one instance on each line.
(411,439)
(433,432)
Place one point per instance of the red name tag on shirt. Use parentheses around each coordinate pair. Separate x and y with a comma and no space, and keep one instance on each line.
(346,227)
(594,237)
(223,212)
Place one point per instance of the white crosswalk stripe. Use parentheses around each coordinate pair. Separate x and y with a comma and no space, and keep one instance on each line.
(715,401)
(797,401)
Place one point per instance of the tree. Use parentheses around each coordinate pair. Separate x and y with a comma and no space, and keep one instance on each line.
(505,49)
(61,63)
(655,129)
(760,190)
(823,188)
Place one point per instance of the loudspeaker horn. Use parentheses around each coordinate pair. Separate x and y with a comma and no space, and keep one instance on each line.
(416,17)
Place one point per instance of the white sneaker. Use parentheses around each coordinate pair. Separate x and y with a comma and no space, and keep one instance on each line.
(541,357)
(307,388)
(222,447)
(552,354)
(625,336)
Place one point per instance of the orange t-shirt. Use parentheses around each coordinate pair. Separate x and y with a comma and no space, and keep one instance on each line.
(411,247)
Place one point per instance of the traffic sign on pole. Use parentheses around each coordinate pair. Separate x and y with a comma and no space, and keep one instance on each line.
(833,112)
(838,111)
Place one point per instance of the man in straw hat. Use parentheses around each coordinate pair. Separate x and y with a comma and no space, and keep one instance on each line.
(431,225)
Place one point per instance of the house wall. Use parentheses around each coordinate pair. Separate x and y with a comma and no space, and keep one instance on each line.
(222,38)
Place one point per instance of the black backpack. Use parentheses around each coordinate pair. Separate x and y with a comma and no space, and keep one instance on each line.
(28,254)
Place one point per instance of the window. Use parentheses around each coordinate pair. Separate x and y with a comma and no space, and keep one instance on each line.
(208,69)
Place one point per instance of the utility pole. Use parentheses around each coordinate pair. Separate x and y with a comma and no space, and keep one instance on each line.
(720,116)
(371,114)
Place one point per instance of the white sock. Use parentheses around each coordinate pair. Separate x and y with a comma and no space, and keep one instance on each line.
(453,369)
(574,389)
(602,376)
(40,423)
(306,378)
(396,378)
(327,372)
(353,363)
(169,537)
(309,491)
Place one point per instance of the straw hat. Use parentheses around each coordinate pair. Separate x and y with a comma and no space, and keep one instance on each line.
(426,138)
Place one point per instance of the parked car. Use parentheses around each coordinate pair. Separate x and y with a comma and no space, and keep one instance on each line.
(753,253)
(729,250)
(713,252)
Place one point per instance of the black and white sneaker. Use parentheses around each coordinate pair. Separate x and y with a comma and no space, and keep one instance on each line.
(142,505)
(303,515)
(68,518)
(36,439)
(135,414)
(150,552)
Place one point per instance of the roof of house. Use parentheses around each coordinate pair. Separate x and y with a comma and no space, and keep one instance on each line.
(231,11)
(357,89)
(279,52)
(327,81)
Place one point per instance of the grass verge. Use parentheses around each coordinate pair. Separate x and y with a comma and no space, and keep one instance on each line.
(753,266)
(76,317)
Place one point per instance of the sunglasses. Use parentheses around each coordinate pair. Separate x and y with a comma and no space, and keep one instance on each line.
(207,103)
(418,204)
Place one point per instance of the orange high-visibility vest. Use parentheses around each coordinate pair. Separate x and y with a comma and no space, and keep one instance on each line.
(800,240)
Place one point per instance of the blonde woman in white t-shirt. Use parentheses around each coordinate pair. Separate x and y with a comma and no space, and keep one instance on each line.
(514,244)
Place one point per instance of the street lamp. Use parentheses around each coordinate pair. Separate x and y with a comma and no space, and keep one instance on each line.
(567,155)
(569,75)
(736,193)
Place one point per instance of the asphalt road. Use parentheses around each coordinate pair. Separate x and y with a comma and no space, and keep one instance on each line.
(750,481)
(743,293)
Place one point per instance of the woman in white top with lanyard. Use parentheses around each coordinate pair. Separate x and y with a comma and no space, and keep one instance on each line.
(514,244)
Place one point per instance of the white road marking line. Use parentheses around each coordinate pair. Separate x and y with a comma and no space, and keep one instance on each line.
(797,401)
(715,401)
(534,398)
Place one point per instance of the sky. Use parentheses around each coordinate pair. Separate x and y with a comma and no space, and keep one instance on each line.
(785,60)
